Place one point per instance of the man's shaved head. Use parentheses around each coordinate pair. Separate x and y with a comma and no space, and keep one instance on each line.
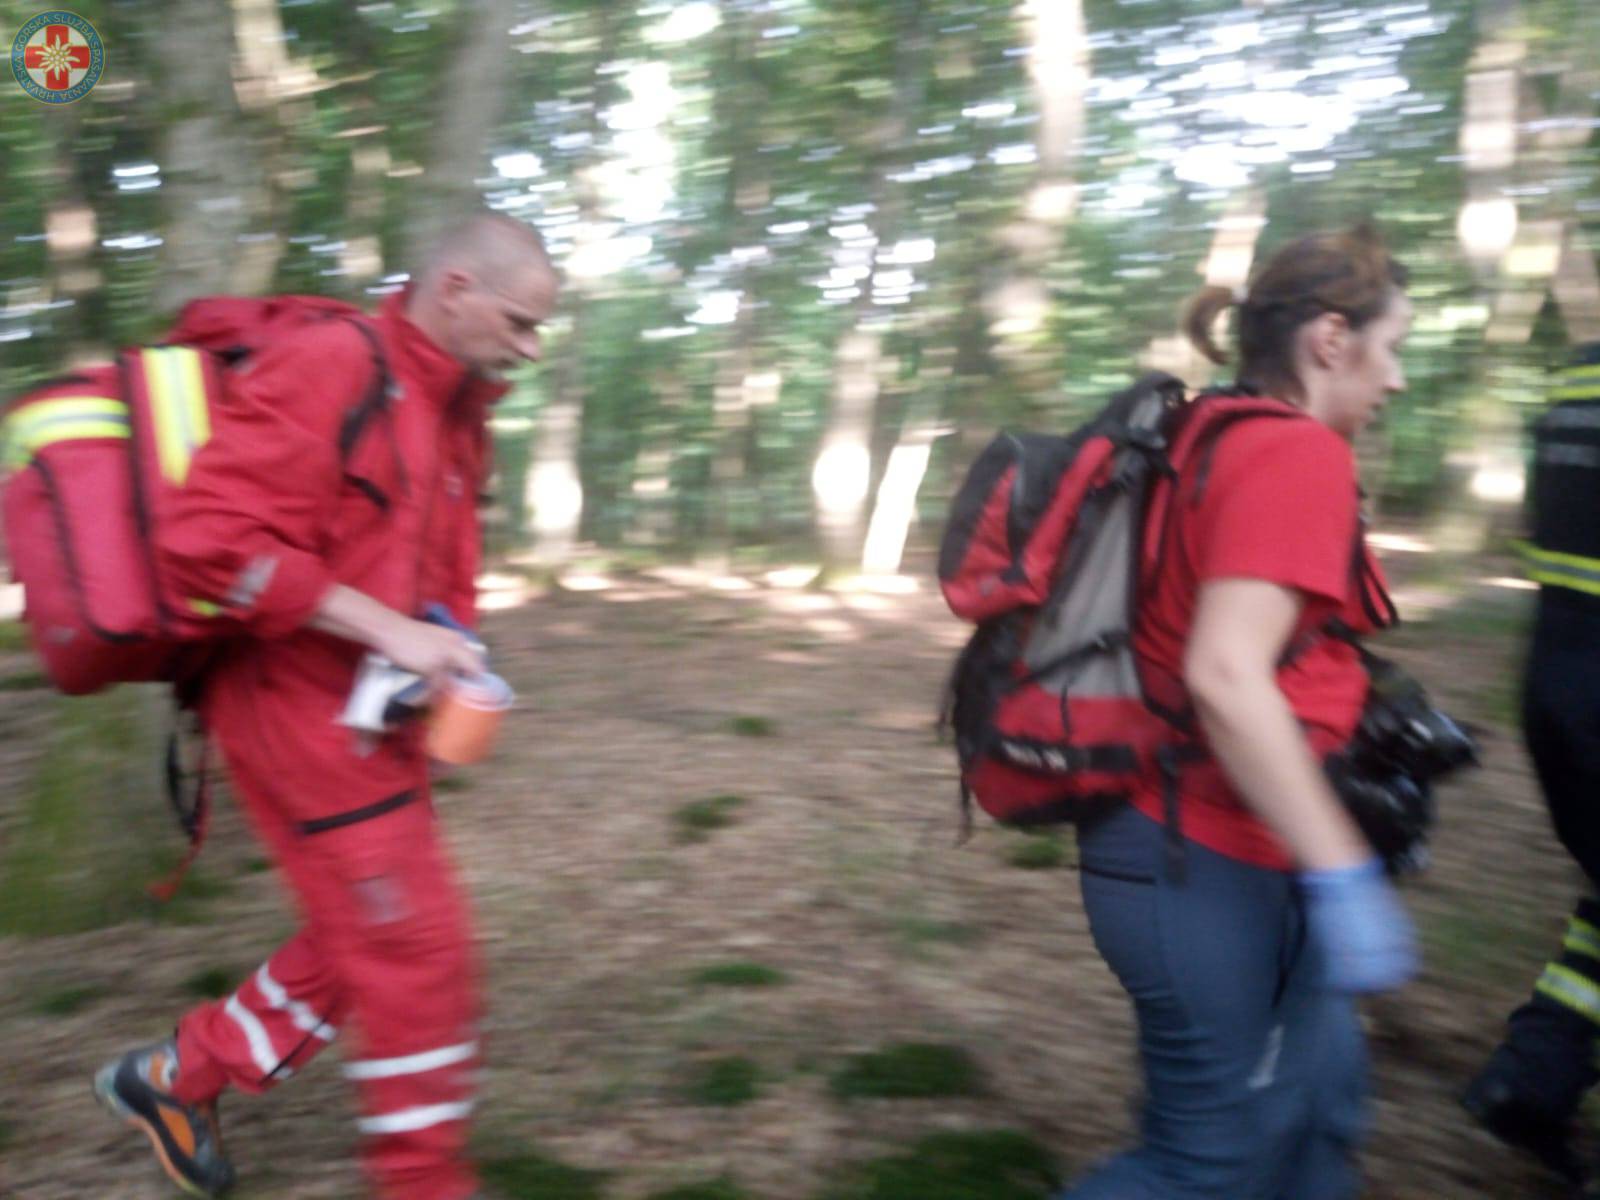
(484,290)
(489,245)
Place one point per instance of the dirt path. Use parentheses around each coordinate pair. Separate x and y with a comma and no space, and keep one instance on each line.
(835,867)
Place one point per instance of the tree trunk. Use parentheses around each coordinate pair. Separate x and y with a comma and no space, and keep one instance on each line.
(472,97)
(842,474)
(1019,305)
(1524,251)
(214,191)
(554,492)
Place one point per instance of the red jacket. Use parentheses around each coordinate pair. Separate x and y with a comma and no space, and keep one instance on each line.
(271,516)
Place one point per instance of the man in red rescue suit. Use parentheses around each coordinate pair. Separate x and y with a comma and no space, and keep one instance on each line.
(324,557)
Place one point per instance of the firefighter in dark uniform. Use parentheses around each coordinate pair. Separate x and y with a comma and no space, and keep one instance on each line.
(1530,1089)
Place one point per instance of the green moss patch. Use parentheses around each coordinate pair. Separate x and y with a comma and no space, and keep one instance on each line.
(723,1082)
(1038,854)
(908,1070)
(64,1001)
(695,821)
(529,1175)
(739,975)
(210,983)
(996,1164)
(713,1189)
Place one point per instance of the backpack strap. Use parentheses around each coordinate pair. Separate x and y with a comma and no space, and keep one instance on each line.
(374,402)
(1171,498)
(194,815)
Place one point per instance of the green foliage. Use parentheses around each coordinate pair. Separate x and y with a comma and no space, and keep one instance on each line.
(1496,619)
(696,820)
(1485,623)
(1043,852)
(723,1082)
(908,1070)
(785,150)
(92,829)
(190,904)
(13,636)
(755,727)
(64,1001)
(739,975)
(210,983)
(712,1189)
(1477,942)
(24,681)
(920,932)
(526,1174)
(996,1164)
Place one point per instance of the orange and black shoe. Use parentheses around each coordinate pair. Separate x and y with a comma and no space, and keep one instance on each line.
(186,1137)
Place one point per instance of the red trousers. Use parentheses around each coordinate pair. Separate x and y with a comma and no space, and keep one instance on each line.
(385,950)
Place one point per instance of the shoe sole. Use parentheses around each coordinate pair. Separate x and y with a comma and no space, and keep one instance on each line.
(106,1093)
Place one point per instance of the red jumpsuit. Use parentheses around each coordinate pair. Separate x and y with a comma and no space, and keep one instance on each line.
(272,515)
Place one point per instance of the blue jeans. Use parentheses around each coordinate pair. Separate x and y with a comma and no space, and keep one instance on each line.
(1255,1077)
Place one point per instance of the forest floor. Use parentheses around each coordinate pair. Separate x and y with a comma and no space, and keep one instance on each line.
(713,861)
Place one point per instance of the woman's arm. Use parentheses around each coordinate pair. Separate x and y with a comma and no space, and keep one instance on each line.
(1240,629)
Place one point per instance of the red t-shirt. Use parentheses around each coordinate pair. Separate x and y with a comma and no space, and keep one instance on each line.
(1280,504)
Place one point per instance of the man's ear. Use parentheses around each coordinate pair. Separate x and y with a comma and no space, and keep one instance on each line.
(1327,339)
(453,283)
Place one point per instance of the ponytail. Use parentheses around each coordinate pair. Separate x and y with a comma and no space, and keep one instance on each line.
(1200,319)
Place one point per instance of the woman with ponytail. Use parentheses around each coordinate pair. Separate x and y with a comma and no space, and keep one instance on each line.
(1243,954)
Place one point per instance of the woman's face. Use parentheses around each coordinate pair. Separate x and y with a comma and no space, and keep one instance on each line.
(1368,371)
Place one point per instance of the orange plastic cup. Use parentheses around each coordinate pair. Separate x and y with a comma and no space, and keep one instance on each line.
(466,717)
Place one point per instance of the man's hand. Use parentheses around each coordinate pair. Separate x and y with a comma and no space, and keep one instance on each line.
(433,651)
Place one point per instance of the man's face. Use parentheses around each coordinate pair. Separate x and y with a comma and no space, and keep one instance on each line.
(494,320)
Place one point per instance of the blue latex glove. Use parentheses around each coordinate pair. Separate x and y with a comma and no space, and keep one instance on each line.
(1364,933)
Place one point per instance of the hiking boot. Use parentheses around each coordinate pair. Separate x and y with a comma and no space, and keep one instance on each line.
(187,1140)
(1522,1124)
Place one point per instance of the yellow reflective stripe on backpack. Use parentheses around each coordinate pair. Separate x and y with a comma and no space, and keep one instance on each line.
(1575,571)
(34,426)
(179,413)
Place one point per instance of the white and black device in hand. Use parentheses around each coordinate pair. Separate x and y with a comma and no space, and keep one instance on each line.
(385,695)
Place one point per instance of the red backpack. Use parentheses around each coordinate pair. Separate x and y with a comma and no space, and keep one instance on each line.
(90,466)
(1043,550)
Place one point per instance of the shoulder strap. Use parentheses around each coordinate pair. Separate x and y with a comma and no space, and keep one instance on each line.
(1202,447)
(376,398)
(374,402)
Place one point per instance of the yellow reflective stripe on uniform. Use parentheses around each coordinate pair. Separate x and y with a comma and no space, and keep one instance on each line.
(1582,938)
(182,422)
(34,426)
(1575,571)
(1576,391)
(1566,579)
(1576,383)
(1566,986)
